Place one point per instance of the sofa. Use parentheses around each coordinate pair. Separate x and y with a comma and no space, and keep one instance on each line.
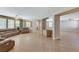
(8,33)
(24,30)
(12,32)
(6,45)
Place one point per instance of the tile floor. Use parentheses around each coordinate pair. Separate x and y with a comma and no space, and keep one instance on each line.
(35,42)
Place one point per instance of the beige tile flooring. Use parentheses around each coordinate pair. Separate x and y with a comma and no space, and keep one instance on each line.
(35,42)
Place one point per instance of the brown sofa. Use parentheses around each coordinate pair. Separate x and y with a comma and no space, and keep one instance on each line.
(8,33)
(6,45)
(24,30)
(12,32)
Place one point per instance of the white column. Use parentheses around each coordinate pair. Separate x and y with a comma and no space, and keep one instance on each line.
(24,23)
(33,25)
(56,29)
(14,23)
(6,23)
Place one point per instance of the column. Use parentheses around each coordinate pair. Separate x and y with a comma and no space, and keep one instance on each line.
(44,27)
(24,23)
(34,25)
(21,23)
(43,23)
(7,23)
(56,29)
(14,23)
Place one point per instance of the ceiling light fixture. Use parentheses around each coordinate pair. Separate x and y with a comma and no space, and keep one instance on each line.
(17,17)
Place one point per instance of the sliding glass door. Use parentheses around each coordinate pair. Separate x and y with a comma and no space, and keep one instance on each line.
(10,23)
(2,23)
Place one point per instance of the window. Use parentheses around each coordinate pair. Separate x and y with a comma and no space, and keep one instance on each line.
(50,24)
(74,24)
(17,23)
(10,23)
(66,24)
(2,23)
(28,24)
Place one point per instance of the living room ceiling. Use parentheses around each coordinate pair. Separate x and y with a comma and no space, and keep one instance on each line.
(32,12)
